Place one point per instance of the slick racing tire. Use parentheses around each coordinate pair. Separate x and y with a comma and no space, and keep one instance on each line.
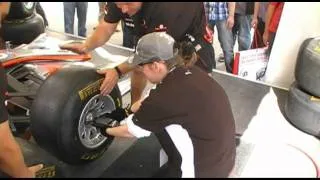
(61,114)
(21,10)
(22,31)
(307,68)
(303,111)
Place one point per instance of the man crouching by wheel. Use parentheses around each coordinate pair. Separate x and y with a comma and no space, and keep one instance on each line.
(188,111)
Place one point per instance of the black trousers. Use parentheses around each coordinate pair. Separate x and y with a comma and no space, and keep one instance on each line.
(206,55)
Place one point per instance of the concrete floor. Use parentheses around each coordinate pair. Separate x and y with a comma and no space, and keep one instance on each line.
(55,16)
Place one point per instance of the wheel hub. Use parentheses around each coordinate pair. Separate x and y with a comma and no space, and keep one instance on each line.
(97,106)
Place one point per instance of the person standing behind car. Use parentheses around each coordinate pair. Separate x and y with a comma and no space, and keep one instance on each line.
(246,15)
(69,11)
(221,14)
(194,125)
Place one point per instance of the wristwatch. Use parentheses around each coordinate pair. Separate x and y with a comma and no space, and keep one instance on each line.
(118,72)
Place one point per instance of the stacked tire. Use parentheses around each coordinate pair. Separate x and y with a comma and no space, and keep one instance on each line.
(302,106)
(22,25)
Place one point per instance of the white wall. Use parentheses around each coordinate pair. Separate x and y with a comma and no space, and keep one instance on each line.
(299,20)
(55,14)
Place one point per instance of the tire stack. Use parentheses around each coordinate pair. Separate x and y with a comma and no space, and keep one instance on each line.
(302,106)
(22,25)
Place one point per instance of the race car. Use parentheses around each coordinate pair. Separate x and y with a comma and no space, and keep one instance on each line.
(53,94)
(57,99)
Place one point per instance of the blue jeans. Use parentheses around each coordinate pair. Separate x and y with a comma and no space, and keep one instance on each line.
(241,28)
(69,11)
(226,41)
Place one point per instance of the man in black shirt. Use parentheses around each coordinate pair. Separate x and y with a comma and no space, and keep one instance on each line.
(176,18)
(188,111)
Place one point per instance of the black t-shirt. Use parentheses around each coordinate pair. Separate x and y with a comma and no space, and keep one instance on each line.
(179,18)
(3,89)
(199,105)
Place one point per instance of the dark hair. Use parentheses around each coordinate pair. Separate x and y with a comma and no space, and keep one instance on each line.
(186,54)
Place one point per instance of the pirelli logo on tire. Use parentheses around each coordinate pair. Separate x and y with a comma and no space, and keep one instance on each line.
(47,172)
(90,89)
(317,49)
(92,156)
(118,102)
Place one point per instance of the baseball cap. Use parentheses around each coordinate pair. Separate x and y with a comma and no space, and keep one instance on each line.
(152,47)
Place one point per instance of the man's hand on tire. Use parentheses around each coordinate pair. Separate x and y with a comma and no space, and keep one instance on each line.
(34,169)
(109,82)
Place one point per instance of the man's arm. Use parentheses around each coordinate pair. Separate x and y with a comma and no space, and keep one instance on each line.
(4,10)
(231,9)
(269,14)
(112,77)
(128,129)
(254,21)
(11,159)
(102,32)
(101,35)
(120,131)
(136,106)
